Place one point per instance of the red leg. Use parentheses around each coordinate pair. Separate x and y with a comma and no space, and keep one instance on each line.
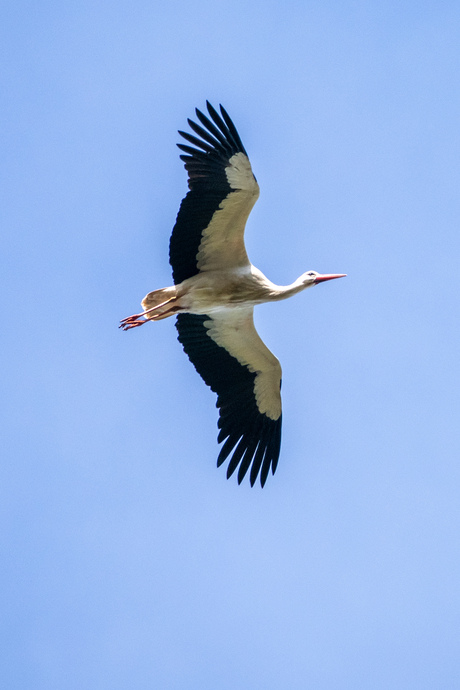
(137,320)
(132,322)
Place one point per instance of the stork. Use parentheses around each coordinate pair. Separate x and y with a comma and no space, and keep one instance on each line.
(215,291)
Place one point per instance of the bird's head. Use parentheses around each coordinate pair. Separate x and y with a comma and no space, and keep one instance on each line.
(313,278)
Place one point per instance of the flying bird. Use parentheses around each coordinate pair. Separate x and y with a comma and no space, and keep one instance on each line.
(215,291)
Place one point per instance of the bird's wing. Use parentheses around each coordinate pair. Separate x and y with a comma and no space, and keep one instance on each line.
(209,230)
(229,355)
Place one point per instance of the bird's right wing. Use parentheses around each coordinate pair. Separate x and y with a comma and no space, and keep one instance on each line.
(209,230)
(228,353)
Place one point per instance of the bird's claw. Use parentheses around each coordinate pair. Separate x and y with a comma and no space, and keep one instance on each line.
(132,322)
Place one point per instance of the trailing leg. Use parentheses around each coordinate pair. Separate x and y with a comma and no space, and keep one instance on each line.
(155,308)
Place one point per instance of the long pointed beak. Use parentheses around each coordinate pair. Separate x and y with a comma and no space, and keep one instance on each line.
(329,276)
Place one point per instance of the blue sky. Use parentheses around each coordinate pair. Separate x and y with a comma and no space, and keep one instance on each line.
(128,559)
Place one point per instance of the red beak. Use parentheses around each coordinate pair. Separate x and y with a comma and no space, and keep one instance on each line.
(329,276)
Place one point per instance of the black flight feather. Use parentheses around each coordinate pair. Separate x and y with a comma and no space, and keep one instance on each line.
(251,438)
(216,143)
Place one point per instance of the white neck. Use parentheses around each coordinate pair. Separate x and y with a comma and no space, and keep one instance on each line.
(279,292)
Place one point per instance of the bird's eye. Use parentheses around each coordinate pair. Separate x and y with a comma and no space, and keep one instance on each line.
(311,273)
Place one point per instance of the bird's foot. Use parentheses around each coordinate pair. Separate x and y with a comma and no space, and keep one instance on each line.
(132,321)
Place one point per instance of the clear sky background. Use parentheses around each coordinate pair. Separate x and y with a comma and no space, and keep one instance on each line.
(128,560)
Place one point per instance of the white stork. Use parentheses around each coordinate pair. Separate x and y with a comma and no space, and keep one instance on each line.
(214,293)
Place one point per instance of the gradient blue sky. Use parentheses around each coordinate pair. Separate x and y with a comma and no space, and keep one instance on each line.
(128,560)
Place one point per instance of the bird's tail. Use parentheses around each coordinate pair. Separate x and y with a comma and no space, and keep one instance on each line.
(160,304)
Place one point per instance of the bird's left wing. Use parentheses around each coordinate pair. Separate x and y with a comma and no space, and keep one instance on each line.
(209,230)
(228,353)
